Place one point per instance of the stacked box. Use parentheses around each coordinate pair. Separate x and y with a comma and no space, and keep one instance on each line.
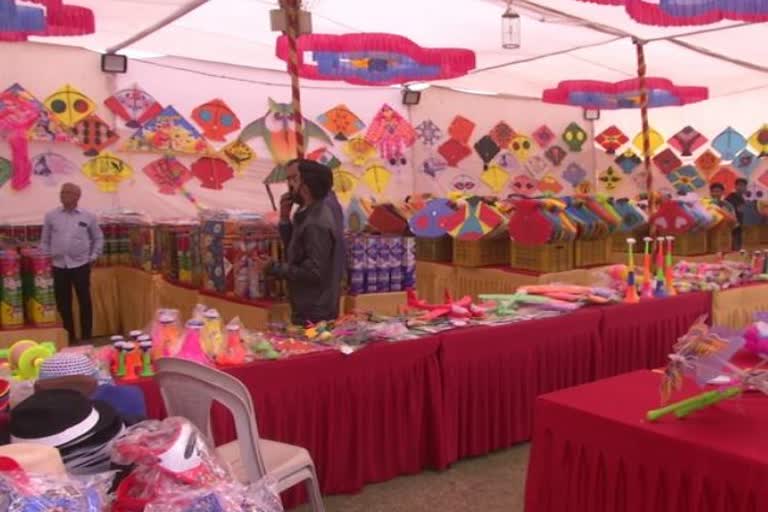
(409,263)
(38,290)
(356,264)
(372,249)
(141,238)
(11,292)
(384,264)
(179,252)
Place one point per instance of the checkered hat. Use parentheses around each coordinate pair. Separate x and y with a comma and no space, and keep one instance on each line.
(67,364)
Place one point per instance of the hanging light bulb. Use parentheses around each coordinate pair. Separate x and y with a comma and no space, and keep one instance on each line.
(510,28)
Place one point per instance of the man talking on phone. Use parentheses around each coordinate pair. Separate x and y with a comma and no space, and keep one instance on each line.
(313,240)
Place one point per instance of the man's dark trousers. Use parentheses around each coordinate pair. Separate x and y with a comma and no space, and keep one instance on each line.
(63,281)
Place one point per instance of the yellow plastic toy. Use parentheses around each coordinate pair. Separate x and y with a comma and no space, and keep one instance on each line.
(26,356)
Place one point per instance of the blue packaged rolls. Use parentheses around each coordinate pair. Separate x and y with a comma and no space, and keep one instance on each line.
(383,280)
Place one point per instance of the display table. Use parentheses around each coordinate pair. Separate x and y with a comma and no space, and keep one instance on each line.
(594,452)
(39,334)
(367,417)
(736,307)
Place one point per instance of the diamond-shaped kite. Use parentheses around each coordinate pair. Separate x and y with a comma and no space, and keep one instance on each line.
(611,139)
(667,161)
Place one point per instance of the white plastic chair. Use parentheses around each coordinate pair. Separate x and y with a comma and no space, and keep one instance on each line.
(189,389)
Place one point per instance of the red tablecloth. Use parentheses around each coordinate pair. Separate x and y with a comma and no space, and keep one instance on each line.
(367,417)
(640,336)
(492,375)
(594,452)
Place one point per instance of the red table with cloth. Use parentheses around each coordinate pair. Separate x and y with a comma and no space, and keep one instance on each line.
(594,452)
(366,417)
(492,375)
(640,336)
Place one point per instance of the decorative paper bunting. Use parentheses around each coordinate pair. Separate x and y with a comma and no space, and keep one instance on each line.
(168,173)
(611,139)
(745,162)
(17,20)
(687,140)
(377,179)
(425,223)
(359,150)
(461,129)
(574,174)
(454,151)
(729,144)
(556,155)
(107,171)
(60,20)
(5,171)
(654,137)
(549,184)
(93,134)
(495,178)
(610,178)
(759,141)
(69,105)
(672,13)
(464,183)
(543,136)
(216,119)
(521,146)
(536,167)
(574,137)
(46,128)
(344,184)
(212,172)
(341,122)
(432,165)
(628,161)
(391,134)
(134,106)
(428,133)
(49,166)
(708,162)
(486,149)
(592,94)
(726,177)
(523,185)
(502,134)
(686,179)
(168,132)
(667,161)
(239,155)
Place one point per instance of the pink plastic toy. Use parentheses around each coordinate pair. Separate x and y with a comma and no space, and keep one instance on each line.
(191,348)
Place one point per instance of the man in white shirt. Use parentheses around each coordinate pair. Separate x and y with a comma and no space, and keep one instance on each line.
(73,239)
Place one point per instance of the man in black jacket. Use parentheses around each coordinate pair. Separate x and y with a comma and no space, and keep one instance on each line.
(738,203)
(313,245)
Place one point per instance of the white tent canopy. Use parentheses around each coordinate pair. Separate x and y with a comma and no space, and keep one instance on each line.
(562,39)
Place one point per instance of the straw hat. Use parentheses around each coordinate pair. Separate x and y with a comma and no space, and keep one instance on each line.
(35,458)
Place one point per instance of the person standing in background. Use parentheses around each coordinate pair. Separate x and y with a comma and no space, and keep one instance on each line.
(74,240)
(736,199)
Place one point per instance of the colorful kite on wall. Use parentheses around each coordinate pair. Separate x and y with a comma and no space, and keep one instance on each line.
(611,139)
(550,185)
(134,106)
(49,166)
(667,161)
(508,161)
(495,178)
(686,179)
(168,132)
(687,140)
(17,115)
(574,174)
(486,149)
(341,122)
(107,171)
(726,177)
(93,134)
(729,143)
(610,179)
(212,172)
(391,134)
(425,223)
(359,150)
(325,157)
(454,151)
(464,183)
(655,139)
(624,94)
(433,165)
(216,119)
(555,155)
(375,59)
(168,173)
(759,141)
(523,185)
(763,179)
(708,162)
(20,22)
(574,137)
(537,166)
(502,134)
(377,179)
(628,161)
(239,154)
(344,184)
(428,133)
(277,128)
(461,129)
(543,136)
(521,147)
(673,13)
(745,162)
(46,128)
(69,105)
(5,171)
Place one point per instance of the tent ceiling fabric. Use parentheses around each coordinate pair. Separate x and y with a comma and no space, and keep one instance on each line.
(554,48)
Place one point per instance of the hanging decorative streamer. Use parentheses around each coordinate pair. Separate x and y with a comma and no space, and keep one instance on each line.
(641,70)
(60,20)
(674,13)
